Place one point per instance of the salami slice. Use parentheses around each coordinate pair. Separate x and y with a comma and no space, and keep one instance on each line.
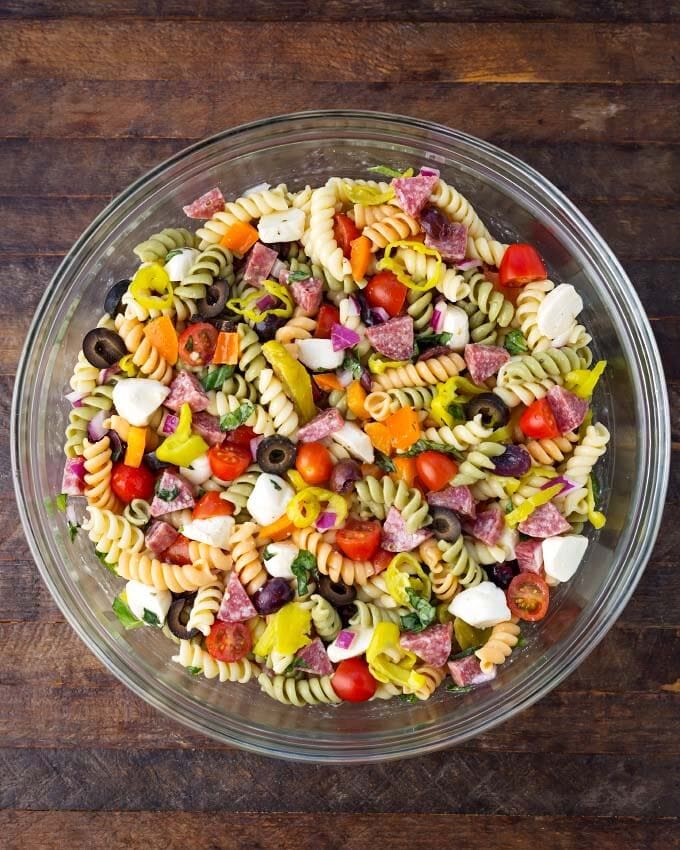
(468,671)
(308,294)
(488,526)
(208,426)
(236,605)
(414,192)
(545,521)
(451,243)
(206,206)
(186,389)
(568,409)
(483,361)
(529,554)
(396,538)
(433,645)
(260,261)
(457,499)
(159,535)
(394,339)
(323,425)
(315,659)
(173,493)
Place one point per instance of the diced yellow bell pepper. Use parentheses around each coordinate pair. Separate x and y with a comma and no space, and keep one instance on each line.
(295,378)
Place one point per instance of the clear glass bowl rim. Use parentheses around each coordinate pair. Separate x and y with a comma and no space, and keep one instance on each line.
(629,563)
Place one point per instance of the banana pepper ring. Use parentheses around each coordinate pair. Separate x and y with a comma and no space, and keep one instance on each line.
(182,447)
(247,306)
(389,662)
(304,508)
(149,279)
(394,265)
(404,572)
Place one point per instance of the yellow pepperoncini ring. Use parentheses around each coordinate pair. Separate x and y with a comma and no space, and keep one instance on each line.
(377,365)
(393,264)
(368,196)
(405,573)
(126,364)
(447,394)
(297,384)
(149,279)
(390,662)
(304,508)
(296,480)
(182,448)
(582,382)
(287,631)
(597,518)
(244,306)
(527,507)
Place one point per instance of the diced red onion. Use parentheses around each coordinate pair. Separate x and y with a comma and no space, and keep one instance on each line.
(353,306)
(325,520)
(95,427)
(75,398)
(170,423)
(345,377)
(266,302)
(345,639)
(366,381)
(343,476)
(379,315)
(105,374)
(466,265)
(254,443)
(426,171)
(561,479)
(437,320)
(277,268)
(342,337)
(116,445)
(73,480)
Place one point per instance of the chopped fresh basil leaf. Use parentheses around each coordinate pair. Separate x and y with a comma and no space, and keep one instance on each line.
(73,530)
(509,507)
(195,671)
(456,689)
(386,171)
(431,340)
(464,654)
(102,558)
(266,554)
(217,377)
(275,484)
(230,421)
(172,254)
(150,618)
(117,451)
(353,364)
(421,617)
(294,665)
(125,615)
(168,495)
(384,462)
(597,492)
(522,641)
(61,501)
(200,493)
(515,343)
(457,411)
(189,344)
(303,568)
(296,276)
(429,446)
(412,698)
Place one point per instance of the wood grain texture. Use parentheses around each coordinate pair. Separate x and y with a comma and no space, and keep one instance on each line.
(94,94)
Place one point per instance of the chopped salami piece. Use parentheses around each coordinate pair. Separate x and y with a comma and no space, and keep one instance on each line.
(457,499)
(488,526)
(414,192)
(432,645)
(483,361)
(468,671)
(396,538)
(236,605)
(315,658)
(208,426)
(206,206)
(568,409)
(73,479)
(394,339)
(186,389)
(307,294)
(323,425)
(545,521)
(173,493)
(451,242)
(529,554)
(159,535)
(259,264)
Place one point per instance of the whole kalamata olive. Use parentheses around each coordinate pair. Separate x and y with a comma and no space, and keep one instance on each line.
(343,476)
(501,574)
(515,461)
(153,463)
(272,596)
(113,302)
(434,222)
(267,328)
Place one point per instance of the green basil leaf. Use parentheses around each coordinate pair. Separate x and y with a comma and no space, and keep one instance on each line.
(266,554)
(294,277)
(73,530)
(195,671)
(515,343)
(102,559)
(521,641)
(412,698)
(303,568)
(597,491)
(172,254)
(456,689)
(431,340)
(464,654)
(217,377)
(421,617)
(61,501)
(125,615)
(457,411)
(384,461)
(421,446)
(230,421)
(353,364)
(294,665)
(168,495)
(150,618)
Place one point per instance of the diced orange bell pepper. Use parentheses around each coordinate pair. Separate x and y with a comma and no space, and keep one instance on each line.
(162,335)
(227,349)
(328,381)
(356,397)
(405,470)
(404,428)
(380,436)
(239,237)
(278,530)
(360,257)
(136,443)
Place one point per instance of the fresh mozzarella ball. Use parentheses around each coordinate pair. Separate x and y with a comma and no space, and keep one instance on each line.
(278,558)
(482,606)
(356,441)
(269,499)
(141,597)
(508,540)
(179,264)
(562,556)
(284,226)
(137,399)
(318,354)
(457,324)
(198,472)
(558,311)
(358,646)
(214,530)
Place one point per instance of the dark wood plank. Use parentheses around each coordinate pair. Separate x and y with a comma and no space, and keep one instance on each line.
(298,831)
(598,53)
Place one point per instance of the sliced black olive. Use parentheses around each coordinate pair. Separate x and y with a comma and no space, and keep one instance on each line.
(153,463)
(228,326)
(103,348)
(445,524)
(113,303)
(336,592)
(178,617)
(494,410)
(267,328)
(276,455)
(214,301)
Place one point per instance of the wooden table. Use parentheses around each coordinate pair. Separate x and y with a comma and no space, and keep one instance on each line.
(94,94)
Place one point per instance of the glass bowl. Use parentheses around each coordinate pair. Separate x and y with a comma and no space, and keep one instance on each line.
(517,204)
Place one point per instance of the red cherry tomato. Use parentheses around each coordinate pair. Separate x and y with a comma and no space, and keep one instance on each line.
(229,641)
(538,421)
(327,317)
(386,291)
(381,560)
(240,436)
(228,462)
(345,231)
(359,539)
(314,463)
(352,681)
(520,265)
(211,505)
(197,344)
(528,597)
(435,469)
(178,552)
(130,482)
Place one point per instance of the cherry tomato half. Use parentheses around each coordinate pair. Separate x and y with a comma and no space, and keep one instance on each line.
(178,552)
(212,505)
(240,436)
(345,231)
(352,681)
(387,291)
(520,265)
(327,317)
(197,344)
(314,463)
(228,462)
(359,539)
(538,421)
(130,482)
(435,469)
(229,641)
(381,560)
(528,597)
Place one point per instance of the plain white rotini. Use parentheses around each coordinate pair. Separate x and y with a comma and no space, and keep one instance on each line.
(529,300)
(148,570)
(502,640)
(144,355)
(398,226)
(365,215)
(205,607)
(277,403)
(488,250)
(192,655)
(299,692)
(111,533)
(321,244)
(421,374)
(329,561)
(247,561)
(461,437)
(451,202)
(259,420)
(243,209)
(98,468)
